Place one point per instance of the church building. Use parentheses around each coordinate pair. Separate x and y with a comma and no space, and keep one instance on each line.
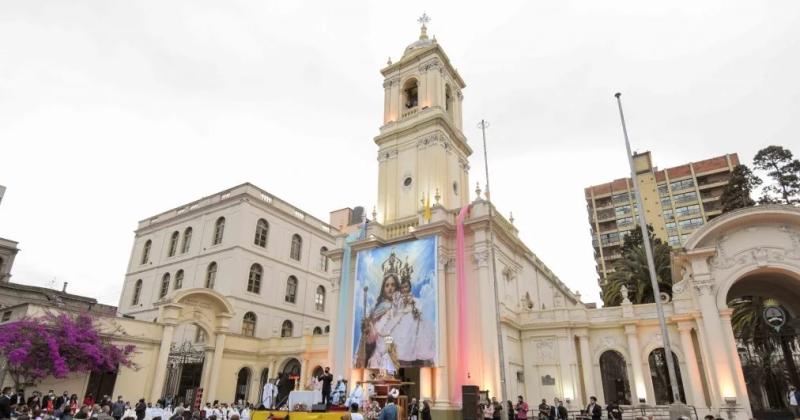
(434,287)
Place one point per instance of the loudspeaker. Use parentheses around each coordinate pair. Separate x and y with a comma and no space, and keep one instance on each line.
(470,398)
(319,408)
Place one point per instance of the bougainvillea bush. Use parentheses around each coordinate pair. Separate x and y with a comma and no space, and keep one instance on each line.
(56,345)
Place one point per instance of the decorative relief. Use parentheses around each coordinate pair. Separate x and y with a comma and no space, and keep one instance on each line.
(606,342)
(431,65)
(460,95)
(481,258)
(545,351)
(385,155)
(760,255)
(704,285)
(433,140)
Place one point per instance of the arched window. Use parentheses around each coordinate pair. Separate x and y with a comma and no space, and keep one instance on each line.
(211,275)
(146,251)
(137,292)
(249,324)
(242,385)
(297,246)
(254,281)
(291,289)
(614,375)
(327,329)
(287,329)
(410,90)
(219,230)
(319,299)
(164,286)
(173,243)
(323,259)
(187,240)
(317,331)
(262,232)
(662,387)
(178,280)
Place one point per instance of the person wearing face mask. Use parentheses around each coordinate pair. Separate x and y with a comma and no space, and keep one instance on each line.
(49,402)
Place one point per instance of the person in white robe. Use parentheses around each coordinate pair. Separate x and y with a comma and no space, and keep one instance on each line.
(269,395)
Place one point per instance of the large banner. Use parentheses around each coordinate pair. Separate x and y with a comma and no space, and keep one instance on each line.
(395,319)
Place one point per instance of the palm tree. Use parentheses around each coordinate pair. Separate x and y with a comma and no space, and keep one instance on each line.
(632,271)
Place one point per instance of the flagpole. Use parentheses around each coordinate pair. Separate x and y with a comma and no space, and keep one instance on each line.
(501,355)
(676,396)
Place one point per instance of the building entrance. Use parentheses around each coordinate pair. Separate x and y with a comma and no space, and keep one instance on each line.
(184,372)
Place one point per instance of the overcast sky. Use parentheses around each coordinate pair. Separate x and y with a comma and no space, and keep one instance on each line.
(113,111)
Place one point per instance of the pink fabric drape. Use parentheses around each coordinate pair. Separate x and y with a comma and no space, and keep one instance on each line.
(461,292)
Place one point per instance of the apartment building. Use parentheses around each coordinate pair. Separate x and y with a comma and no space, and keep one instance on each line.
(676,200)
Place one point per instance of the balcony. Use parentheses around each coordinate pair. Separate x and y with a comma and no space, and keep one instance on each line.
(409,112)
(686,199)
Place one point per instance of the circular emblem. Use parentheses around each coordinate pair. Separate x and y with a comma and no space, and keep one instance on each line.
(774,317)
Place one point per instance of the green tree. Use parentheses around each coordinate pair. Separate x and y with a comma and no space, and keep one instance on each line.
(737,194)
(784,171)
(632,271)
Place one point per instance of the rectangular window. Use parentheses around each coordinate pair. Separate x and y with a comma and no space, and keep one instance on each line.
(674,240)
(663,190)
(682,184)
(6,316)
(622,211)
(668,215)
(666,202)
(685,197)
(627,221)
(620,198)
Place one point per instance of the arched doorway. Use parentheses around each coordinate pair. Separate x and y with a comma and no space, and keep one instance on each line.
(242,385)
(765,322)
(614,372)
(662,387)
(290,373)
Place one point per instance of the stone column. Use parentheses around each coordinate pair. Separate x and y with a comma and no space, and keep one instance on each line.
(695,391)
(161,364)
(738,374)
(216,365)
(720,361)
(586,362)
(304,368)
(425,383)
(273,366)
(387,100)
(568,386)
(441,379)
(638,387)
(206,375)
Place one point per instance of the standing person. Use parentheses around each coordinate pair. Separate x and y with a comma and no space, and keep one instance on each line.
(614,411)
(49,402)
(488,411)
(87,400)
(140,409)
(793,398)
(18,399)
(510,410)
(118,408)
(389,411)
(35,400)
(593,410)
(544,410)
(5,403)
(521,409)
(558,411)
(326,379)
(425,413)
(413,409)
(497,414)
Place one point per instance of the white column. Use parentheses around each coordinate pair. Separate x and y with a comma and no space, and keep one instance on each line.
(638,388)
(161,365)
(586,362)
(206,375)
(738,374)
(720,360)
(216,365)
(273,366)
(568,386)
(695,394)
(425,383)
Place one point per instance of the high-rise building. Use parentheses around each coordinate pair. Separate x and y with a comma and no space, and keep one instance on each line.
(677,201)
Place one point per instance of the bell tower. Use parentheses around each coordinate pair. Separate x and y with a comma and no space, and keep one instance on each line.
(421,149)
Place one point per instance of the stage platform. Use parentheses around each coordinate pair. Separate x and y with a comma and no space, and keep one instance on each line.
(297,415)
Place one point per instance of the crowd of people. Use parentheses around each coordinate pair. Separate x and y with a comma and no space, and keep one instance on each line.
(67,407)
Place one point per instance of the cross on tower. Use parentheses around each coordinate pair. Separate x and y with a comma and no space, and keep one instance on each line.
(424,19)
